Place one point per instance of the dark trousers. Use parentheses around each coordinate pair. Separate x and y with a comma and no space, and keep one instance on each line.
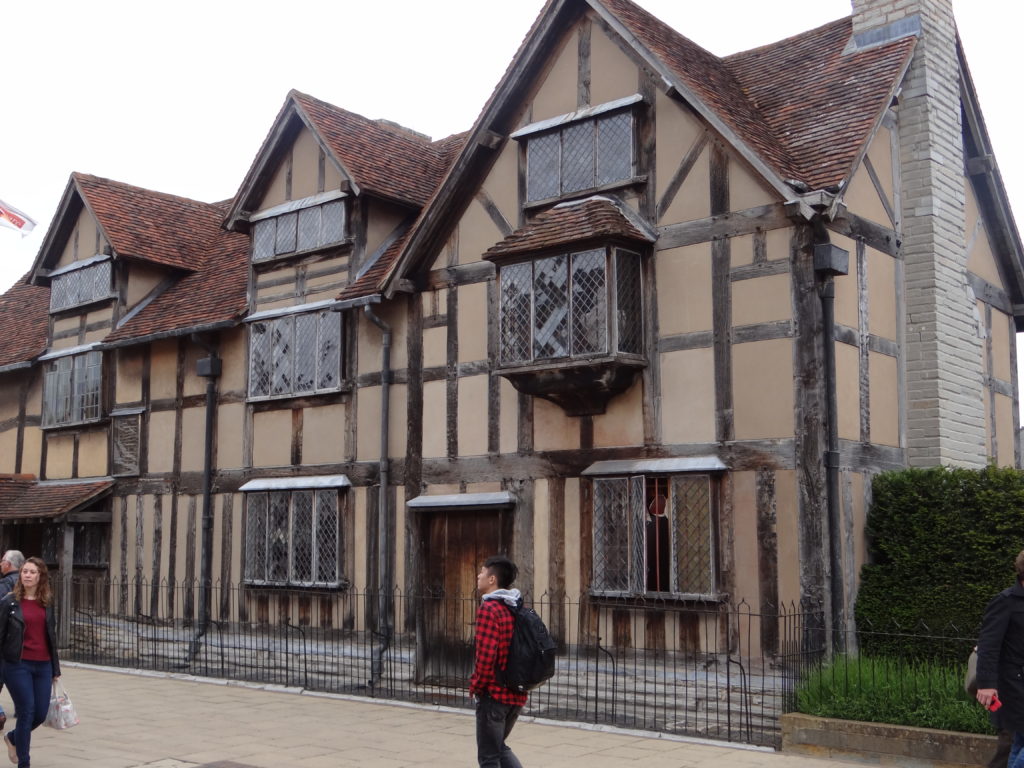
(1002,754)
(29,683)
(494,722)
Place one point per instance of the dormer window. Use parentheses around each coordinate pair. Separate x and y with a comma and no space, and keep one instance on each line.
(590,149)
(80,283)
(296,352)
(298,227)
(72,389)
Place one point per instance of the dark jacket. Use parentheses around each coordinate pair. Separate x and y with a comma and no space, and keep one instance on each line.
(1001,655)
(12,632)
(7,582)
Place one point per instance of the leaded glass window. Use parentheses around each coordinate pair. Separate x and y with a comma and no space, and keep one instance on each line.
(80,286)
(316,226)
(72,389)
(295,355)
(560,307)
(293,538)
(654,534)
(579,156)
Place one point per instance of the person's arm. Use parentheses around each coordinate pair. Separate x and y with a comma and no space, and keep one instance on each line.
(990,642)
(51,638)
(486,653)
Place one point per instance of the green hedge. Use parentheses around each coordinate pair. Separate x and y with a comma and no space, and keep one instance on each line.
(887,690)
(942,542)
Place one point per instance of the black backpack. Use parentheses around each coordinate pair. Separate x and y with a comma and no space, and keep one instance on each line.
(531,653)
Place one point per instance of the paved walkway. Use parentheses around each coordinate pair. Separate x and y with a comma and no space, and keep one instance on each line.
(132,719)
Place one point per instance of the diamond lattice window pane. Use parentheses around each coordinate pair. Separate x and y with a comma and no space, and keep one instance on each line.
(694,544)
(309,228)
(256,536)
(264,234)
(92,386)
(615,148)
(611,535)
(277,537)
(282,347)
(515,312)
(329,363)
(551,307)
(287,226)
(302,537)
(259,359)
(333,223)
(327,545)
(589,303)
(305,354)
(578,157)
(629,294)
(60,293)
(542,166)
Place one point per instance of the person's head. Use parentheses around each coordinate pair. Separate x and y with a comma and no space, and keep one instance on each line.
(1019,565)
(12,561)
(497,572)
(34,578)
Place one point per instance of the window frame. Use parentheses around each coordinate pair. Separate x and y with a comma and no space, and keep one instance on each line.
(78,387)
(269,242)
(615,325)
(290,579)
(101,284)
(632,498)
(288,321)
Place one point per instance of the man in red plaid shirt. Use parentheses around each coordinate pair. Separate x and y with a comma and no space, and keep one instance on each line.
(497,707)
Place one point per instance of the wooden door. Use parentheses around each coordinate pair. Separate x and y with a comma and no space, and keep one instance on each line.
(456,544)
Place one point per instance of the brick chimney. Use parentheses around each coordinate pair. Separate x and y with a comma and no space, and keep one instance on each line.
(943,349)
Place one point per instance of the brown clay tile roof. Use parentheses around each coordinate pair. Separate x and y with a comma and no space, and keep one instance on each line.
(570,223)
(382,159)
(143,224)
(820,103)
(23,497)
(25,320)
(215,293)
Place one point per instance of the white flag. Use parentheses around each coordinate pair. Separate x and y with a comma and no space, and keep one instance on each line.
(14,219)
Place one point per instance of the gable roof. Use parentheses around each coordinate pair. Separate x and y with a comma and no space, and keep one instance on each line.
(795,110)
(23,497)
(377,157)
(25,319)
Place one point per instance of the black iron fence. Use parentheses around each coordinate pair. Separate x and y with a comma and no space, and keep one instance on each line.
(721,672)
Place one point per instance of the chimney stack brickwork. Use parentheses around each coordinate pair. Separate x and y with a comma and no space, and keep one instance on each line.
(943,349)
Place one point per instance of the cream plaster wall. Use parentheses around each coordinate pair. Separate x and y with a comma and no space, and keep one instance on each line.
(848,390)
(230,427)
(1005,426)
(613,75)
(508,417)
(305,165)
(477,233)
(980,258)
(741,251)
(684,289)
(501,184)
(761,300)
(847,306)
(472,322)
(688,396)
(92,453)
(541,540)
(59,454)
(763,389)
(193,384)
(435,414)
(142,278)
(435,347)
(32,451)
(552,429)
(472,418)
(161,441)
(398,432)
(9,450)
(163,370)
(676,132)
(556,94)
(381,223)
(883,386)
(368,414)
(129,367)
(573,538)
(84,242)
(777,243)
(10,397)
(622,423)
(882,288)
(862,198)
(272,439)
(356,570)
(274,194)
(745,543)
(193,439)
(787,536)
(1001,341)
(233,351)
(746,189)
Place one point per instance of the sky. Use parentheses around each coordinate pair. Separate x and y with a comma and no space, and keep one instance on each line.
(178,97)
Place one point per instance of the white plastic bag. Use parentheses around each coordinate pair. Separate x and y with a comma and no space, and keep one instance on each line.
(61,714)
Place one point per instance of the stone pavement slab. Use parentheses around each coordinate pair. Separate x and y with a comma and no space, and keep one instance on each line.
(133,719)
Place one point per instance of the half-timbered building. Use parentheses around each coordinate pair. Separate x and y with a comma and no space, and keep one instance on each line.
(650,327)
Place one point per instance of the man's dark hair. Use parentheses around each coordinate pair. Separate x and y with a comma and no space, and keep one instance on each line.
(504,570)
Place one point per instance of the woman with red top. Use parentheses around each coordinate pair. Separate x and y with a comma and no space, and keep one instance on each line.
(28,646)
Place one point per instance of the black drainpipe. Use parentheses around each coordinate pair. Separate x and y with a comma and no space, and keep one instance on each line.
(829,262)
(384,573)
(209,368)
